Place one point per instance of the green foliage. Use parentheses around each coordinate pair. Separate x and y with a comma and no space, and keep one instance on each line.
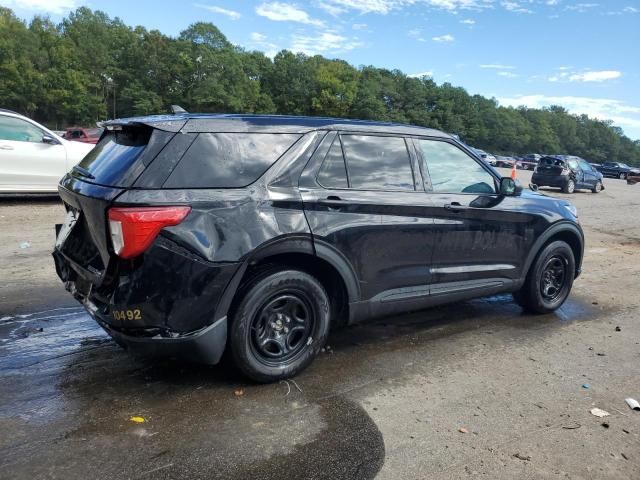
(70,74)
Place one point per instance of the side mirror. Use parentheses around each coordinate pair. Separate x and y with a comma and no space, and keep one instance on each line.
(510,187)
(48,139)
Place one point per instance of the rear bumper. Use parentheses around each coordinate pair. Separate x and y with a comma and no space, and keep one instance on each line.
(166,303)
(549,180)
(204,346)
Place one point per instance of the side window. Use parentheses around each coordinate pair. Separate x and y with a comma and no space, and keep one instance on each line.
(17,130)
(573,164)
(585,166)
(378,163)
(333,172)
(228,160)
(453,171)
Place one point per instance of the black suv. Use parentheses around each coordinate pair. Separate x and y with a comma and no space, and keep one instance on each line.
(188,235)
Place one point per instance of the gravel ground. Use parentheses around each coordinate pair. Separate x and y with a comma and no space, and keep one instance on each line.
(469,390)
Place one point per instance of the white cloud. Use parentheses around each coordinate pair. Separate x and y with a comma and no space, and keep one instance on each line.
(331,9)
(258,37)
(58,7)
(284,12)
(222,11)
(468,21)
(443,38)
(582,7)
(627,116)
(515,7)
(631,10)
(383,7)
(421,74)
(497,66)
(416,33)
(508,74)
(595,76)
(326,42)
(359,26)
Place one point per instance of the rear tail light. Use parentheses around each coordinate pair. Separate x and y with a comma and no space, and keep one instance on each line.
(133,229)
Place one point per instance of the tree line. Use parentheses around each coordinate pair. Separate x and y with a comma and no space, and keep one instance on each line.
(90,67)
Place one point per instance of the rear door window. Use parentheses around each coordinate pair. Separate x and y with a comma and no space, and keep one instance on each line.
(229,160)
(378,163)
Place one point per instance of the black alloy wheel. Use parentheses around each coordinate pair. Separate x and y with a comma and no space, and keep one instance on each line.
(281,327)
(279,323)
(553,278)
(549,279)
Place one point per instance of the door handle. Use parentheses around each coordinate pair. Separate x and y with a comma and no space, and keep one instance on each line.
(6,147)
(333,202)
(455,207)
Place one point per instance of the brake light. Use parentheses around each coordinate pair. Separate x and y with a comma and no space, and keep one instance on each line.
(133,229)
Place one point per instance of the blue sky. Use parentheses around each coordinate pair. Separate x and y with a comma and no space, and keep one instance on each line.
(582,54)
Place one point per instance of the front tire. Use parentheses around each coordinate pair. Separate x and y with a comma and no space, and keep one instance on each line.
(569,187)
(279,325)
(549,280)
(622,176)
(597,188)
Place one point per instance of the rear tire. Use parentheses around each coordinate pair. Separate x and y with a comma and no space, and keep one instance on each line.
(597,188)
(569,187)
(279,325)
(549,280)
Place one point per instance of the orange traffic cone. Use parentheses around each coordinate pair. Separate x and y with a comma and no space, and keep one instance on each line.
(514,173)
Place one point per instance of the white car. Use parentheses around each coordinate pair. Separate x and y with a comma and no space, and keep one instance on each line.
(33,158)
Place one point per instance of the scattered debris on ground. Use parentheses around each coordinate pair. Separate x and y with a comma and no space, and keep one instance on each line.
(599,412)
(519,456)
(633,403)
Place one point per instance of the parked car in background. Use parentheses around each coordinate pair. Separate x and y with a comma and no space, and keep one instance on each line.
(84,135)
(505,162)
(618,170)
(595,165)
(32,157)
(486,157)
(529,161)
(257,233)
(567,172)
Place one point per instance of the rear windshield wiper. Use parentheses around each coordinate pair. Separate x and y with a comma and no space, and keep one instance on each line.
(83,172)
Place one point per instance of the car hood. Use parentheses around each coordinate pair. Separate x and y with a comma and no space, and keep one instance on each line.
(76,151)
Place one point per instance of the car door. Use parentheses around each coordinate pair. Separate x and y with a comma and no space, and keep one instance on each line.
(372,209)
(574,165)
(482,237)
(26,162)
(589,174)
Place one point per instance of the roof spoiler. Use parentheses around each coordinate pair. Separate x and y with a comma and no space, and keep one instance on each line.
(177,109)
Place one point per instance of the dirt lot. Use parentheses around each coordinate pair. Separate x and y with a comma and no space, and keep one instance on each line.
(387,400)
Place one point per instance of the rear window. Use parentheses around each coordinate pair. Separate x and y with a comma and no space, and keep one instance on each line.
(113,161)
(228,160)
(551,162)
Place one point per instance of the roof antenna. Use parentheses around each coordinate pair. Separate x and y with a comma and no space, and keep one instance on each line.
(177,109)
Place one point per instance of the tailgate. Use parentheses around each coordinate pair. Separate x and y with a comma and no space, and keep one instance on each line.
(84,239)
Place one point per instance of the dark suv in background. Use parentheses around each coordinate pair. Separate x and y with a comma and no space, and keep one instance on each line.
(568,172)
(188,235)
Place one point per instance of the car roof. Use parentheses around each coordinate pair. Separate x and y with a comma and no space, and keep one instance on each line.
(207,122)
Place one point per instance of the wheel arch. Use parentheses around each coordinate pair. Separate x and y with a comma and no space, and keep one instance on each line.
(565,231)
(300,252)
